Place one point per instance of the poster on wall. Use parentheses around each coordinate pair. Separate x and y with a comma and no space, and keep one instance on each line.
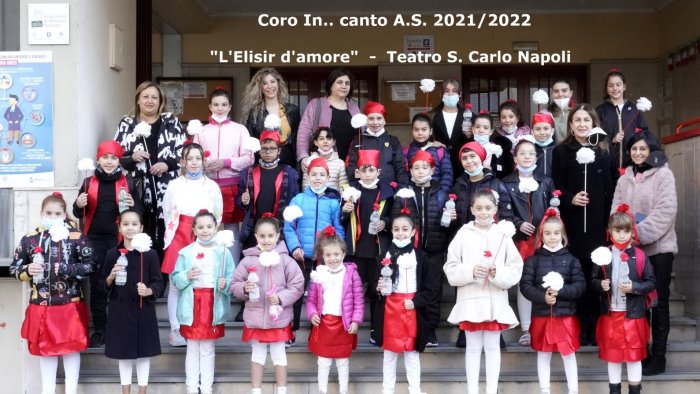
(26,124)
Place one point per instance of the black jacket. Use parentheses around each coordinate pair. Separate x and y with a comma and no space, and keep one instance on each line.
(454,143)
(392,162)
(349,220)
(432,237)
(464,189)
(528,207)
(544,159)
(503,165)
(632,118)
(544,262)
(256,125)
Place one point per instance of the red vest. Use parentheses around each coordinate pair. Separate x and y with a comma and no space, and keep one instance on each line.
(93,186)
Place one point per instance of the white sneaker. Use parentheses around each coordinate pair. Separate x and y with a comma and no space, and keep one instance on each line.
(176,340)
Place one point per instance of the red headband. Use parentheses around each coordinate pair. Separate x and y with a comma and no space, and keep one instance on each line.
(373,107)
(110,147)
(318,162)
(542,118)
(422,155)
(550,212)
(624,208)
(270,135)
(367,157)
(476,148)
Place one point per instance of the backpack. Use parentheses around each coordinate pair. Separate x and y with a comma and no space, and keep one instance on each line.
(651,297)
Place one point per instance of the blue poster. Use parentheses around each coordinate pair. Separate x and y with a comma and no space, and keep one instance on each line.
(26,119)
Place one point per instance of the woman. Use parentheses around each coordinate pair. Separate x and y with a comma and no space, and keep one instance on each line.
(649,188)
(334,111)
(153,160)
(267,94)
(448,120)
(589,195)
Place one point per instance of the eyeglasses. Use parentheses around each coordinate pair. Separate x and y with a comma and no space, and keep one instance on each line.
(269,150)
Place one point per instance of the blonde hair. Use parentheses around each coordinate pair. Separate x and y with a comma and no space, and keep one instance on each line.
(135,111)
(253,102)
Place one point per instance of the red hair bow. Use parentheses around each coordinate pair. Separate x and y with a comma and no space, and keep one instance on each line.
(550,212)
(329,231)
(203,210)
(57,194)
(484,112)
(268,215)
(511,101)
(386,261)
(623,208)
(614,70)
(405,211)
(187,142)
(219,87)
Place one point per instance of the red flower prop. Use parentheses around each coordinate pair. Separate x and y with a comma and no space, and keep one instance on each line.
(329,231)
(200,255)
(376,206)
(123,251)
(386,261)
(623,208)
(624,257)
(556,193)
(487,253)
(207,154)
(405,211)
(252,269)
(393,184)
(637,130)
(452,196)
(38,249)
(468,106)
(621,171)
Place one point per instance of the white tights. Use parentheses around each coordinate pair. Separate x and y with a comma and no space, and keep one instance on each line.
(490,342)
(411,362)
(524,311)
(143,368)
(173,295)
(277,353)
(324,367)
(49,366)
(570,368)
(199,366)
(634,372)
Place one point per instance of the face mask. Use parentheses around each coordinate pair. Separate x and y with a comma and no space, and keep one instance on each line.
(509,130)
(450,101)
(421,181)
(325,152)
(320,190)
(48,223)
(483,222)
(554,249)
(371,185)
(543,144)
(481,139)
(203,242)
(219,118)
(476,172)
(271,164)
(401,243)
(526,170)
(621,246)
(194,175)
(373,134)
(562,103)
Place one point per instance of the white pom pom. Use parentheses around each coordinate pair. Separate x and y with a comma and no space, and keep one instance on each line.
(292,213)
(86,164)
(268,259)
(58,232)
(309,159)
(225,238)
(643,104)
(585,155)
(427,85)
(251,144)
(351,193)
(540,97)
(405,193)
(142,242)
(507,228)
(528,138)
(142,129)
(321,274)
(553,280)
(272,122)
(601,256)
(358,120)
(528,185)
(494,149)
(496,196)
(194,127)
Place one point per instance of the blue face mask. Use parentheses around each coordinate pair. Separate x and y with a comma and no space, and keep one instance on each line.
(194,175)
(450,101)
(48,223)
(401,243)
(481,139)
(476,172)
(543,144)
(528,170)
(319,190)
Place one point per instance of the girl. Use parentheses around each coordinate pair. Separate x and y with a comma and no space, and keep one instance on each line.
(423,140)
(554,325)
(594,201)
(623,331)
(56,256)
(401,322)
(223,139)
(324,147)
(186,196)
(132,326)
(543,131)
(483,263)
(529,194)
(561,105)
(512,125)
(203,275)
(335,306)
(499,158)
(267,317)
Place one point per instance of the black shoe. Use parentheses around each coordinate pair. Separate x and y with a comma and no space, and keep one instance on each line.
(635,389)
(371,338)
(461,340)
(432,339)
(239,315)
(97,339)
(655,366)
(503,343)
(291,342)
(615,388)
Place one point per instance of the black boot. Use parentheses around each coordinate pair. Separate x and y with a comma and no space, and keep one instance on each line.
(655,366)
(461,340)
(615,388)
(239,315)
(635,389)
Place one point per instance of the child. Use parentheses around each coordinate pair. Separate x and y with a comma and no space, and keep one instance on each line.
(512,125)
(554,325)
(499,158)
(529,195)
(320,206)
(543,131)
(364,245)
(132,326)
(335,306)
(401,321)
(223,139)
(483,263)
(14,118)
(185,197)
(324,147)
(423,141)
(203,275)
(55,253)
(375,137)
(561,105)
(98,204)
(623,331)
(267,318)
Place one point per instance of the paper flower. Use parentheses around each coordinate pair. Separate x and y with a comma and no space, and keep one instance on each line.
(585,156)
(468,106)
(207,154)
(320,275)
(452,196)
(540,97)
(643,104)
(194,127)
(200,255)
(386,261)
(427,85)
(506,227)
(553,280)
(601,256)
(225,238)
(38,249)
(624,257)
(393,184)
(58,232)
(405,193)
(496,196)
(251,144)
(123,251)
(556,193)
(494,149)
(269,259)
(375,206)
(528,185)
(272,122)
(142,242)
(142,129)
(292,213)
(487,253)
(358,120)
(597,130)
(86,164)
(351,193)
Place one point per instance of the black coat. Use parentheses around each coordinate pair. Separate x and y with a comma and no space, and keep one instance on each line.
(432,237)
(526,204)
(427,284)
(392,162)
(454,143)
(256,125)
(503,165)
(632,118)
(132,329)
(544,159)
(568,176)
(464,189)
(544,262)
(636,302)
(349,219)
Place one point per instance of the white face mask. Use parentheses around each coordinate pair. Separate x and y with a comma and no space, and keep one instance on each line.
(422,181)
(320,190)
(401,243)
(562,103)
(370,185)
(483,222)
(325,152)
(48,223)
(219,118)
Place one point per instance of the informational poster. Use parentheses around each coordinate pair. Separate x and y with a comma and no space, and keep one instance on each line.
(413,44)
(26,125)
(49,24)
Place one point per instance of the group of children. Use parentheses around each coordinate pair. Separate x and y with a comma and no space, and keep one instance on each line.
(381,235)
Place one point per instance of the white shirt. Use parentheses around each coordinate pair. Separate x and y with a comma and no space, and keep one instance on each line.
(450,119)
(406,277)
(333,293)
(206,265)
(618,299)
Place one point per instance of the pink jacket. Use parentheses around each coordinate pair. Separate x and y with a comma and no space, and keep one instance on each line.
(305,134)
(286,276)
(225,142)
(353,298)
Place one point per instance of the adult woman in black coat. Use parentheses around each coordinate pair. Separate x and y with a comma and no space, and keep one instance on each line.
(593,201)
(447,122)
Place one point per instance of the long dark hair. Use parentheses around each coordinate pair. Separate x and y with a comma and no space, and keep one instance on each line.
(603,143)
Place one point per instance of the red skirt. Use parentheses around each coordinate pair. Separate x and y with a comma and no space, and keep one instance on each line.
(526,247)
(268,335)
(330,339)
(555,334)
(400,325)
(201,327)
(491,325)
(231,213)
(621,339)
(56,330)
(183,237)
